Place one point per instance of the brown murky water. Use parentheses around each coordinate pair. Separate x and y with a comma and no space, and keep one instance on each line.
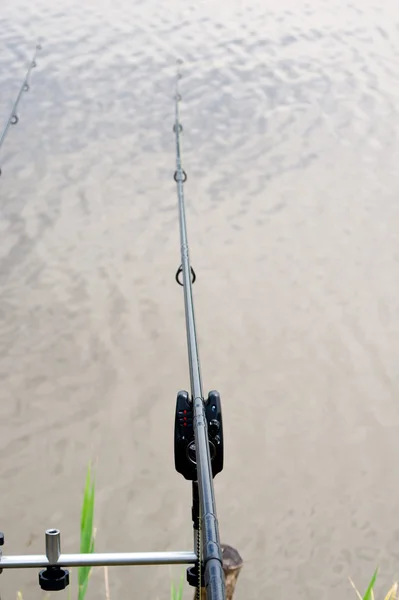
(291,146)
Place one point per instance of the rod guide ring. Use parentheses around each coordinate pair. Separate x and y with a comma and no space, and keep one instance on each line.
(179,272)
(176,175)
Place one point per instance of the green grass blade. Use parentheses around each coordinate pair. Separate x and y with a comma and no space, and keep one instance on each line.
(369,592)
(172,590)
(177,594)
(86,521)
(180,596)
(86,532)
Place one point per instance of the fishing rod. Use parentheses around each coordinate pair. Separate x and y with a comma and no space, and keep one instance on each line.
(198,429)
(13,117)
(198,455)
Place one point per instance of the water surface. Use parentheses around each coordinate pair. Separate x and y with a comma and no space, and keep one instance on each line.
(291,148)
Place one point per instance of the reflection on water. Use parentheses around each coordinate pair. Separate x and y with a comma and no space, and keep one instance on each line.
(291,149)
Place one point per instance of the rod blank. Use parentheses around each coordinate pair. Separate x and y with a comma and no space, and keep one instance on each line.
(13,117)
(211,549)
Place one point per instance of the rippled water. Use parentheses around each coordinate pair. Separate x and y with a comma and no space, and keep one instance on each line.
(291,148)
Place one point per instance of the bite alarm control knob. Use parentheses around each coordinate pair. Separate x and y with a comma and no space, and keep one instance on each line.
(214,427)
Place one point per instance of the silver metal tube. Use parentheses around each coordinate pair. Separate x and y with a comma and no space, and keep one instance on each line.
(111,559)
(53,545)
(212,553)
